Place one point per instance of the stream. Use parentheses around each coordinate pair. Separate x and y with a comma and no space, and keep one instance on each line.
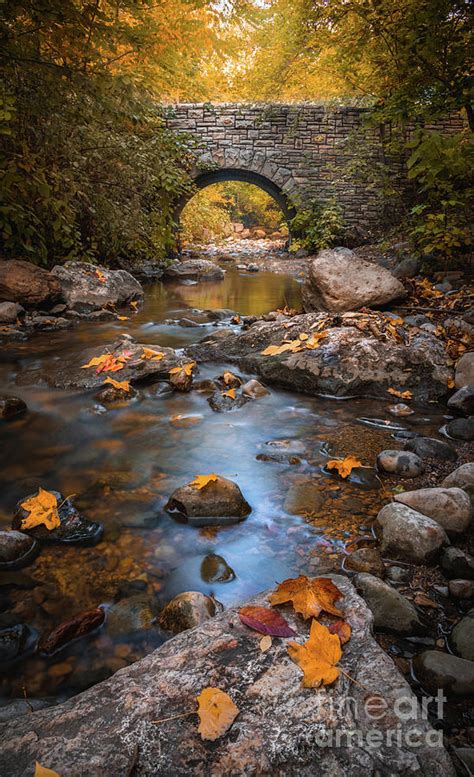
(122,464)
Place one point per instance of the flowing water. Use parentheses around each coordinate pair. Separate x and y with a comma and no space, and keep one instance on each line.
(123,464)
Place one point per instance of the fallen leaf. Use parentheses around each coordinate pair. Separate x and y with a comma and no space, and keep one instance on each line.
(216,713)
(400,394)
(201,481)
(230,379)
(134,304)
(230,393)
(424,601)
(342,629)
(318,656)
(121,386)
(186,368)
(344,466)
(96,361)
(100,275)
(315,340)
(303,336)
(112,364)
(42,509)
(149,353)
(265,643)
(451,384)
(42,771)
(309,596)
(275,350)
(265,621)
(123,318)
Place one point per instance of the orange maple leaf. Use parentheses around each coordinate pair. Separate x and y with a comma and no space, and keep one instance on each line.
(216,713)
(149,353)
(318,656)
(124,385)
(400,394)
(42,509)
(186,368)
(201,481)
(309,596)
(344,466)
(100,275)
(230,393)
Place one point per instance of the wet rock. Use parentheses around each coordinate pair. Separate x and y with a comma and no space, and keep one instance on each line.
(303,497)
(391,611)
(462,477)
(410,536)
(225,404)
(188,610)
(17,707)
(279,458)
(429,447)
(462,637)
(402,463)
(219,314)
(129,616)
(10,312)
(267,688)
(450,507)
(461,589)
(347,362)
(463,400)
(338,280)
(254,389)
(400,409)
(435,670)
(220,501)
(215,569)
(194,270)
(188,323)
(73,529)
(461,428)
(205,386)
(27,284)
(464,375)
(78,626)
(366,560)
(16,550)
(110,394)
(456,563)
(15,642)
(88,287)
(10,407)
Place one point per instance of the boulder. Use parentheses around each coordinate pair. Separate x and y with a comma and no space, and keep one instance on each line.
(88,287)
(338,280)
(461,589)
(456,563)
(10,312)
(461,428)
(219,501)
(16,550)
(462,637)
(194,270)
(402,463)
(27,284)
(435,670)
(430,448)
(450,507)
(463,400)
(410,536)
(366,560)
(461,477)
(282,728)
(10,407)
(464,375)
(391,611)
(346,362)
(73,528)
(188,610)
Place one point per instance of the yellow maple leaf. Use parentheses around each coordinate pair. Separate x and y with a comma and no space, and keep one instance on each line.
(344,466)
(42,509)
(149,353)
(230,393)
(100,275)
(314,341)
(318,656)
(123,318)
(216,713)
(201,481)
(304,336)
(186,368)
(96,361)
(400,394)
(122,386)
(229,378)
(42,771)
(309,596)
(275,350)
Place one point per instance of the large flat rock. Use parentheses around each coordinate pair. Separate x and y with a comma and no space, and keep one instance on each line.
(279,730)
(348,362)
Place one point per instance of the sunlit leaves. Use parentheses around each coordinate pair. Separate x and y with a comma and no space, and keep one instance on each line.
(318,656)
(201,481)
(123,385)
(304,341)
(309,596)
(345,466)
(42,509)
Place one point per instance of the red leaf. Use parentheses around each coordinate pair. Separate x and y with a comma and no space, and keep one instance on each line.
(342,629)
(265,621)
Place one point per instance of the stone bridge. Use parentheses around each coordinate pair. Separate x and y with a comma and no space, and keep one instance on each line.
(295,152)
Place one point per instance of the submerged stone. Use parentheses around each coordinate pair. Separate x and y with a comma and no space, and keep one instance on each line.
(188,610)
(16,550)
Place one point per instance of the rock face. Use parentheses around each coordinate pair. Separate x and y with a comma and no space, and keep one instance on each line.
(188,610)
(410,536)
(347,362)
(87,287)
(279,728)
(441,670)
(450,507)
(462,637)
(194,270)
(16,550)
(403,463)
(338,281)
(465,370)
(391,611)
(23,282)
(220,501)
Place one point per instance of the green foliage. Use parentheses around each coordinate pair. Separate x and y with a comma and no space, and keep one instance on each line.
(319,226)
